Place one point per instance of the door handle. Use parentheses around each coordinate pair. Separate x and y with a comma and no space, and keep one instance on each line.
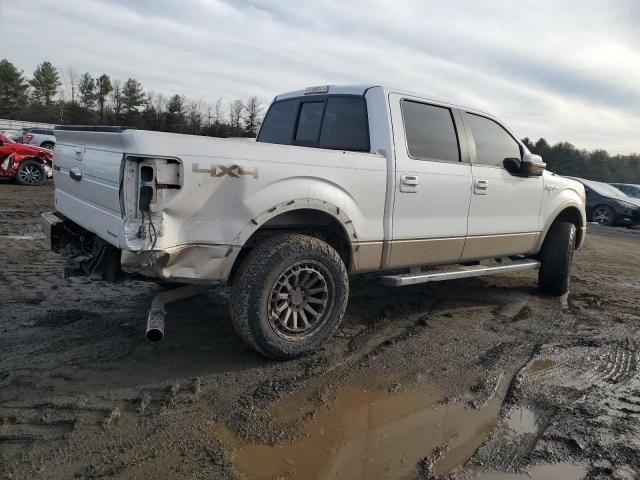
(409,183)
(480,187)
(410,180)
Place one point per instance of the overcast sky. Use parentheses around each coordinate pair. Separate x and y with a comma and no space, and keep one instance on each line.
(563,70)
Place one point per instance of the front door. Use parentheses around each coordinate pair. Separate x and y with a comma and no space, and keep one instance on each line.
(432,182)
(504,218)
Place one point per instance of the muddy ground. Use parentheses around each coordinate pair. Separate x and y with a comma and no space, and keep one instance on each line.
(479,378)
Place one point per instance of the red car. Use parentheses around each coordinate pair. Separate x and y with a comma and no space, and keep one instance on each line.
(28,164)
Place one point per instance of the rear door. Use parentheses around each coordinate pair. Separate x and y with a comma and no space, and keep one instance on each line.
(433,183)
(504,217)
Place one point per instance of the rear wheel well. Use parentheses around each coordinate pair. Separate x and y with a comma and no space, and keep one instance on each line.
(314,223)
(571,215)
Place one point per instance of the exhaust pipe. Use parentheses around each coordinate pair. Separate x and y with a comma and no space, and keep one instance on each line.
(155,319)
(155,326)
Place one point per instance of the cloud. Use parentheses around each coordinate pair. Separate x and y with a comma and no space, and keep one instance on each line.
(564,70)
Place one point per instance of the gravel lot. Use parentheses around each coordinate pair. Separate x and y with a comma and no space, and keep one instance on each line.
(478,378)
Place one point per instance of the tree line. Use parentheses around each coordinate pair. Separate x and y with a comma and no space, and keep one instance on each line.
(68,97)
(565,159)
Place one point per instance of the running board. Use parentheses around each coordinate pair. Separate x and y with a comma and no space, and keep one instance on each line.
(458,271)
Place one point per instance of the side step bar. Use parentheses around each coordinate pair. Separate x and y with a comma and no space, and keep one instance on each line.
(458,271)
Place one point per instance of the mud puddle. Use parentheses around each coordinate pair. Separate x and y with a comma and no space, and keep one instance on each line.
(364,434)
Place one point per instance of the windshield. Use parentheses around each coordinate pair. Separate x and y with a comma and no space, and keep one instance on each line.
(5,139)
(604,189)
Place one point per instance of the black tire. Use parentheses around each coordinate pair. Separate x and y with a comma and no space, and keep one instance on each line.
(48,145)
(604,215)
(31,173)
(267,276)
(556,256)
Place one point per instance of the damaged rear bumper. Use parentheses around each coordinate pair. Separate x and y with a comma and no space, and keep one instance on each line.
(86,254)
(183,263)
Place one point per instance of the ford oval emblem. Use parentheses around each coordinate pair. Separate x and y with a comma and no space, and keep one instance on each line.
(75,173)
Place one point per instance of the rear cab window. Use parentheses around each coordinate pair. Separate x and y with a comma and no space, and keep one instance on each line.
(336,122)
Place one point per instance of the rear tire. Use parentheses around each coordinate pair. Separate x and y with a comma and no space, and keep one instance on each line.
(31,173)
(289,295)
(48,145)
(556,256)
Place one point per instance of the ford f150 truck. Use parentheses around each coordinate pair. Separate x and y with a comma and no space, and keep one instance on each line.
(340,180)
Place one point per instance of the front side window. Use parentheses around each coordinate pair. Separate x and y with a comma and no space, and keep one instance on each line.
(493,142)
(431,134)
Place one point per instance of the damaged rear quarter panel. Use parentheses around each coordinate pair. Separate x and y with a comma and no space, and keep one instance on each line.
(226,195)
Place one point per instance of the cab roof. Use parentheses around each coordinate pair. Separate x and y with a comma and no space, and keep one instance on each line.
(362,89)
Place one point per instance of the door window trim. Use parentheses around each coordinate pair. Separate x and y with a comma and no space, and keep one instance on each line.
(455,129)
(473,153)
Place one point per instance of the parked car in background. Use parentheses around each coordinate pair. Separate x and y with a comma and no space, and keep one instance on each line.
(41,137)
(15,135)
(609,206)
(629,189)
(27,164)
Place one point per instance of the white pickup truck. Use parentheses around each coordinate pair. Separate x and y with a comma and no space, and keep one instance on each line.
(340,180)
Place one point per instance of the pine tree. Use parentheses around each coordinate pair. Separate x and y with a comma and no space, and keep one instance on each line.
(252,113)
(175,114)
(87,89)
(132,99)
(104,88)
(13,90)
(45,83)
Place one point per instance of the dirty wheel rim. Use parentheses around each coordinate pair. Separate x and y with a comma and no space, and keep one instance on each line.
(603,215)
(30,174)
(299,300)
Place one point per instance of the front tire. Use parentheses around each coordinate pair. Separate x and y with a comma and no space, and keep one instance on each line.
(289,295)
(604,215)
(31,173)
(556,256)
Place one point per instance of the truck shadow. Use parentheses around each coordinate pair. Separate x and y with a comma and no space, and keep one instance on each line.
(101,345)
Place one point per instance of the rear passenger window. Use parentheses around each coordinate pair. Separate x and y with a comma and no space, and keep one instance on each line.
(309,122)
(430,132)
(493,142)
(345,125)
(279,123)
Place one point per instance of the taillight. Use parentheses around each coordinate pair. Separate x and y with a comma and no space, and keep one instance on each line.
(28,138)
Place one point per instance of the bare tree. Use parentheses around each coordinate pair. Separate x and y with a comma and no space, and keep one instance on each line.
(252,115)
(70,80)
(116,98)
(218,114)
(235,115)
(195,113)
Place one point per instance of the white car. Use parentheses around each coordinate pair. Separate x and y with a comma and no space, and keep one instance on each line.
(40,137)
(15,135)
(340,181)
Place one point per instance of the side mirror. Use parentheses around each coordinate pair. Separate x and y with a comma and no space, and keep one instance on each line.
(532,165)
(512,165)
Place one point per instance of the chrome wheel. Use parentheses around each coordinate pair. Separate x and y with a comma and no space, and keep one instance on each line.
(604,215)
(30,174)
(300,300)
